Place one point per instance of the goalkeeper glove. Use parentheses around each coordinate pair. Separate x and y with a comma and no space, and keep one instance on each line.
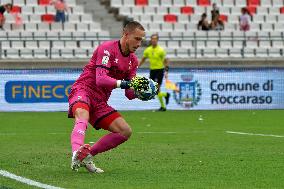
(137,83)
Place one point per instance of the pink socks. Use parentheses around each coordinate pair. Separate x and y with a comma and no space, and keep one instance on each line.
(108,142)
(78,134)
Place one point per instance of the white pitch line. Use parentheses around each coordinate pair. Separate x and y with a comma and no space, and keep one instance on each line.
(254,134)
(27,181)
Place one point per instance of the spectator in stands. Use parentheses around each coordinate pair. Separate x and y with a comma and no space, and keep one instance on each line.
(216,24)
(215,11)
(245,20)
(203,23)
(60,7)
(3,9)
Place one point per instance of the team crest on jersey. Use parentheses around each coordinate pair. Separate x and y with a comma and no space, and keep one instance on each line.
(189,93)
(116,60)
(105,60)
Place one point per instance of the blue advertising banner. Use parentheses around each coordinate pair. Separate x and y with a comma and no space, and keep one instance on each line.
(37,91)
(192,89)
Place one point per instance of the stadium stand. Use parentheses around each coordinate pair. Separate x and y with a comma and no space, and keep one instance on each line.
(176,22)
(31,32)
(39,36)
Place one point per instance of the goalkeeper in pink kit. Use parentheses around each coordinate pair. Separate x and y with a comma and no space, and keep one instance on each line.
(113,65)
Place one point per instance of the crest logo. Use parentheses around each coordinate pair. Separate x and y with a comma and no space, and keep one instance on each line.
(105,60)
(189,92)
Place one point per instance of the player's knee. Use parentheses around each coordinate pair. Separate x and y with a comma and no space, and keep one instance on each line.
(126,131)
(81,113)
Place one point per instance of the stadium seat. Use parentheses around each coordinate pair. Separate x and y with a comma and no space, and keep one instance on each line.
(266,3)
(277,3)
(154,3)
(178,3)
(223,17)
(209,53)
(31,44)
(40,35)
(15,9)
(40,53)
(253,3)
(67,53)
(282,10)
(31,3)
(141,2)
(65,35)
(261,52)
(116,3)
(274,53)
(235,53)
(71,44)
(49,18)
(26,53)
(19,2)
(81,53)
(44,2)
(182,53)
(187,10)
(12,53)
(222,53)
(249,52)
(170,18)
(166,3)
(50,9)
(252,10)
(43,26)
(203,2)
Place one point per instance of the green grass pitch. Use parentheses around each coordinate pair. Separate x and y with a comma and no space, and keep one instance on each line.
(173,149)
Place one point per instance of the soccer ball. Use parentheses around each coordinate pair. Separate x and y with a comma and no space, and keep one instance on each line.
(150,93)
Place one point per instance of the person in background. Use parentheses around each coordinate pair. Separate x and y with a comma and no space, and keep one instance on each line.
(3,8)
(217,24)
(60,7)
(159,67)
(215,11)
(203,23)
(244,20)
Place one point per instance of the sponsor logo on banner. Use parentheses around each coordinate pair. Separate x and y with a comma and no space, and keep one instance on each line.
(37,91)
(189,92)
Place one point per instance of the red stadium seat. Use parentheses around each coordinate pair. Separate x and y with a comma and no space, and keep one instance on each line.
(253,3)
(141,2)
(203,2)
(48,18)
(44,2)
(223,17)
(186,10)
(282,10)
(251,10)
(15,9)
(170,18)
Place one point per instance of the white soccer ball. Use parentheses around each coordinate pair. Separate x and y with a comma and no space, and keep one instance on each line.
(150,93)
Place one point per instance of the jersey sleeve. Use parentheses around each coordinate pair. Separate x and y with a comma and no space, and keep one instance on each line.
(103,66)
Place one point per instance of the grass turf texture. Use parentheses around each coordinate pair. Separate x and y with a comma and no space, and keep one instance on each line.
(199,154)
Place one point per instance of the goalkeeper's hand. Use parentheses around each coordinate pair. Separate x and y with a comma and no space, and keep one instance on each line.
(137,83)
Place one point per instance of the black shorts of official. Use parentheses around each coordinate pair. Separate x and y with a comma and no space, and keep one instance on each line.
(157,75)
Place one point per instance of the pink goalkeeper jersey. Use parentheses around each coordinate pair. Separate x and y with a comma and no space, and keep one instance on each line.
(106,66)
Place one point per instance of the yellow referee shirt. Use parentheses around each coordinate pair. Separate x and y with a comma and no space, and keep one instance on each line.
(156,57)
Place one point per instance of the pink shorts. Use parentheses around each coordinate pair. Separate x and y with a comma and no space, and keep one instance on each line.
(101,114)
